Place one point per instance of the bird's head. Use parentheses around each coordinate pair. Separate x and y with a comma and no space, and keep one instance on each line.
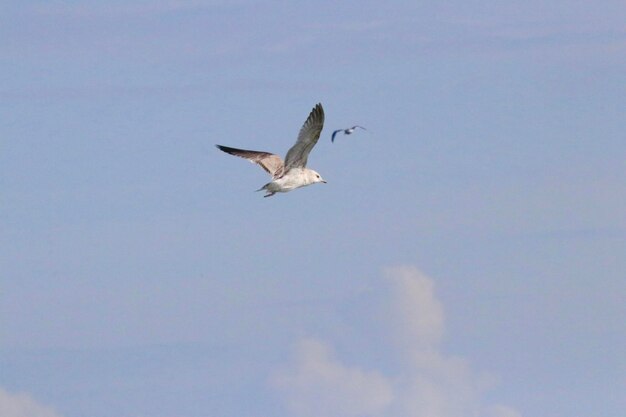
(316,177)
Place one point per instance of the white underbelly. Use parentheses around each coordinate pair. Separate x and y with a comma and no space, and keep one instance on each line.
(288,182)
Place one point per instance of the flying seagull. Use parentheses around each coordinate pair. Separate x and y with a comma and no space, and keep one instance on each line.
(347,131)
(292,173)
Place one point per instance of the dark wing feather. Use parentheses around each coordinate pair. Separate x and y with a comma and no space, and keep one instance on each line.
(307,138)
(271,163)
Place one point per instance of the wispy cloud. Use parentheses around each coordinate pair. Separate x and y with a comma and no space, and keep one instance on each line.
(431,384)
(22,405)
(123,8)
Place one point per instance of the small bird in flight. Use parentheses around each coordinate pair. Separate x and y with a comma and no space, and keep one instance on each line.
(292,173)
(347,131)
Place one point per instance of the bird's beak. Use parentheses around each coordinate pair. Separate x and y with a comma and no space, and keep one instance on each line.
(324,181)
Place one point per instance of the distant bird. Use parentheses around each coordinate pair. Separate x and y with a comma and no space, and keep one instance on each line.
(347,131)
(292,173)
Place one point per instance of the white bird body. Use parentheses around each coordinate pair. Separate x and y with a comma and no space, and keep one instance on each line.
(294,178)
(292,173)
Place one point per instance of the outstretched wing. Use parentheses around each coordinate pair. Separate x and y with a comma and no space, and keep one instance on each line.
(271,163)
(307,138)
(332,138)
(360,127)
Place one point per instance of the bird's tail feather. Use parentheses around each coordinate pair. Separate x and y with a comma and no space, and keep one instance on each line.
(267,190)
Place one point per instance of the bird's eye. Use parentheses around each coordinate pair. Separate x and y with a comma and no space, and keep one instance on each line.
(318,176)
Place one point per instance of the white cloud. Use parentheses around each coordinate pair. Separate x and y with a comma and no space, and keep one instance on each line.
(433,384)
(430,384)
(317,385)
(417,315)
(22,405)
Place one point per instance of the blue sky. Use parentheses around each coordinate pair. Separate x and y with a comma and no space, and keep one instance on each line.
(466,257)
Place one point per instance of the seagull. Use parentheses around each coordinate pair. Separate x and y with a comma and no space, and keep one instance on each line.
(292,173)
(347,131)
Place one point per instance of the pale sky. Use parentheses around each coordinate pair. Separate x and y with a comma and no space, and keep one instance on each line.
(467,257)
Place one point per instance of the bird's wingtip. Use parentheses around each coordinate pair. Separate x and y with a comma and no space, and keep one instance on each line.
(318,107)
(222,148)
